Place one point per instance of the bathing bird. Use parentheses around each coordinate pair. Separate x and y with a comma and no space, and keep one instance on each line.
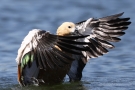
(45,58)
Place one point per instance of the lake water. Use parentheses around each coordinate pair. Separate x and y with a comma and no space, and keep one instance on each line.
(113,71)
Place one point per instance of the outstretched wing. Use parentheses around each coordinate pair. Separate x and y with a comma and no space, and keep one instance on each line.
(101,32)
(47,49)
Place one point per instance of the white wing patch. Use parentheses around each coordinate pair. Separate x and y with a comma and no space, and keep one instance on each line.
(26,45)
(83,29)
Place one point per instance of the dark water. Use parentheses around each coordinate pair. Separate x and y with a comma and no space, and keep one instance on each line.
(113,71)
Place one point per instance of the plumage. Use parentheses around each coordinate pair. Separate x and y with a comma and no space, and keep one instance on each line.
(42,51)
(45,58)
(103,31)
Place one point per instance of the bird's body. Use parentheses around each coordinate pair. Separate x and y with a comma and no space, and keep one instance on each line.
(44,58)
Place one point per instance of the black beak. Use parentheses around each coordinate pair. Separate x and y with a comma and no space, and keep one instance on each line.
(76,32)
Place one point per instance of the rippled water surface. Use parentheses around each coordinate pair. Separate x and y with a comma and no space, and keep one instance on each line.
(113,71)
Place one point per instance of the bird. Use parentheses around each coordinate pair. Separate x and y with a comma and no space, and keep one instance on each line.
(44,58)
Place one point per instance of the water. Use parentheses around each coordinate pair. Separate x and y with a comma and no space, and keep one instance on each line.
(113,71)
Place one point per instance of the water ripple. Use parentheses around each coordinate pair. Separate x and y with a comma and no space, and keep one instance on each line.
(114,70)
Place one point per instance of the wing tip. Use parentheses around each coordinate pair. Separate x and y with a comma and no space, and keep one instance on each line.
(110,17)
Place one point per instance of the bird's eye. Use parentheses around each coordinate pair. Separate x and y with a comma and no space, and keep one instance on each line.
(69,26)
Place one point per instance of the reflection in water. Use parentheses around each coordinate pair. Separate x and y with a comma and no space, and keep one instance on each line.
(97,83)
(64,86)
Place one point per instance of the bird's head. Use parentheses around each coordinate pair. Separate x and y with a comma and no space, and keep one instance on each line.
(66,28)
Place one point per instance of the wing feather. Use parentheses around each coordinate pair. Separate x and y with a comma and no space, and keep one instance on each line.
(50,51)
(101,32)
